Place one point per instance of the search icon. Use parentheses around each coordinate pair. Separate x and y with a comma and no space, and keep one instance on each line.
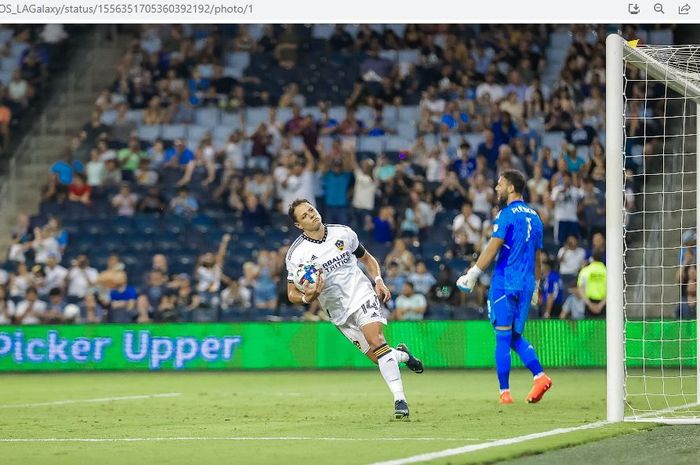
(659,8)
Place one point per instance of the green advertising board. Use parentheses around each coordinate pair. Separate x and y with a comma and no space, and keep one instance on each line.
(292,345)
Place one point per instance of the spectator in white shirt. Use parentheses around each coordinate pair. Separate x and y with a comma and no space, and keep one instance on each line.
(209,273)
(571,259)
(54,276)
(466,230)
(564,201)
(44,245)
(31,310)
(81,278)
(20,281)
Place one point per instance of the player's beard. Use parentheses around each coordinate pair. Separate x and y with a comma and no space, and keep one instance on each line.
(501,200)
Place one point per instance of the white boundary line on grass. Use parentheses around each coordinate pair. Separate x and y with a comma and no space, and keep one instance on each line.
(487,445)
(650,417)
(81,401)
(236,438)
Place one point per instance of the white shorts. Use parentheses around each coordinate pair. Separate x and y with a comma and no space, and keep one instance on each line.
(352,328)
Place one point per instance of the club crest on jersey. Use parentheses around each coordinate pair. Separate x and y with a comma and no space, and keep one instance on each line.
(340,245)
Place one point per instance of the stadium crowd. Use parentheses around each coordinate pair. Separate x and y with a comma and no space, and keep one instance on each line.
(209,132)
(28,55)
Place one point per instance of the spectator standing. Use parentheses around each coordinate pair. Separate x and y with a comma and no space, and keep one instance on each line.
(592,285)
(337,187)
(565,198)
(81,278)
(571,259)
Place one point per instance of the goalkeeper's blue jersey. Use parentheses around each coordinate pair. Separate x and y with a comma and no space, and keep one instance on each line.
(521,229)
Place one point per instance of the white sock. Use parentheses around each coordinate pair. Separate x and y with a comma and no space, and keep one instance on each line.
(401,357)
(389,368)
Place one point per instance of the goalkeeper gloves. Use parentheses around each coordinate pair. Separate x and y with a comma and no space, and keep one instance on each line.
(466,282)
(535,295)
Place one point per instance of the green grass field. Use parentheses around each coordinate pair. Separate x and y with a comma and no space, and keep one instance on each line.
(292,417)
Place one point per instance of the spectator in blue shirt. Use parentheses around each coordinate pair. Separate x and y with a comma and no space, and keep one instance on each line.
(488,148)
(65,167)
(465,165)
(337,188)
(122,308)
(552,293)
(503,129)
(383,225)
(178,155)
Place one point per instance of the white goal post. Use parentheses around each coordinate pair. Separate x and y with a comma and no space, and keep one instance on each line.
(652,191)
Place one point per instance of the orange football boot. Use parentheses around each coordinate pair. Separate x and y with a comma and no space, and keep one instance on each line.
(539,387)
(505,398)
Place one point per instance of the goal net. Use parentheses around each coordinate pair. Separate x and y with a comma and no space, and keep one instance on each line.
(653,93)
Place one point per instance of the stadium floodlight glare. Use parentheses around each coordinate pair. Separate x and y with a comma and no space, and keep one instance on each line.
(653,94)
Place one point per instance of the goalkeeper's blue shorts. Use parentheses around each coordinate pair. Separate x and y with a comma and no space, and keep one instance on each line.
(508,307)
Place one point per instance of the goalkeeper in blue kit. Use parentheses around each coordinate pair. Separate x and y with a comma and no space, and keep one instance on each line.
(517,240)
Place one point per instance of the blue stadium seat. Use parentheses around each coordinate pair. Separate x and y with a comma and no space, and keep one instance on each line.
(409,113)
(173,131)
(135,116)
(313,111)
(337,113)
(397,144)
(207,117)
(371,144)
(284,114)
(149,133)
(553,140)
(256,115)
(406,130)
(231,121)
(196,133)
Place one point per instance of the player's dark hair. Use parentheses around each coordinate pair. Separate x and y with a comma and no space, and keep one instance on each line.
(597,255)
(516,179)
(293,206)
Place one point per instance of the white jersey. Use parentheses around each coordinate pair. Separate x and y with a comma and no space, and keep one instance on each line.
(346,288)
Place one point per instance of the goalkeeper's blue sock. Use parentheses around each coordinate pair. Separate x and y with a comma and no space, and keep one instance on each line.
(527,354)
(503,339)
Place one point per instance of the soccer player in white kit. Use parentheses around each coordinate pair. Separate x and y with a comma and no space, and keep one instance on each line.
(346,293)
